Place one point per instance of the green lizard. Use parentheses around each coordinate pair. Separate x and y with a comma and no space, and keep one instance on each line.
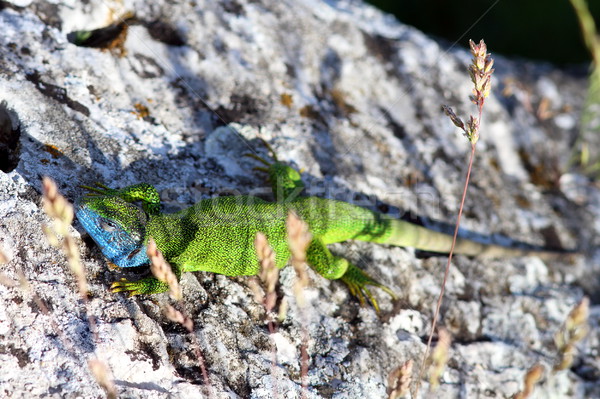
(217,235)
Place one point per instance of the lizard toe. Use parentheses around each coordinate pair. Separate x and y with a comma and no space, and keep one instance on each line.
(357,282)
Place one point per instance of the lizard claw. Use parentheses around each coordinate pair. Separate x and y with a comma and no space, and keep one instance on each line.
(124,285)
(261,169)
(98,189)
(360,292)
(286,182)
(147,285)
(261,159)
(357,282)
(258,158)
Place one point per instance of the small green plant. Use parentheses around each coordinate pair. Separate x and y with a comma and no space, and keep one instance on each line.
(586,152)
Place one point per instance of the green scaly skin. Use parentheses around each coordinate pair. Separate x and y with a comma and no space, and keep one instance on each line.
(217,235)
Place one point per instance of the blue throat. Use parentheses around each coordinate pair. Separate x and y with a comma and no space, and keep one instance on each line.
(119,246)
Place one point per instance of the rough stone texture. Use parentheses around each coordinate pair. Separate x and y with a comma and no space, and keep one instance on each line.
(352,97)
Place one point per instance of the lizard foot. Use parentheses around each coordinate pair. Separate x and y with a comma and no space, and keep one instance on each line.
(357,282)
(148,285)
(286,182)
(268,164)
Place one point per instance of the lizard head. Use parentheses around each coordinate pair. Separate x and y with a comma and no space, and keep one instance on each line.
(118,228)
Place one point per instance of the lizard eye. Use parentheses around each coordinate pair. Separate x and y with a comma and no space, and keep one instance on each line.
(108,226)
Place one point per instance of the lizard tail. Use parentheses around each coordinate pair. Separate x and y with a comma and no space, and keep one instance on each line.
(405,234)
(340,221)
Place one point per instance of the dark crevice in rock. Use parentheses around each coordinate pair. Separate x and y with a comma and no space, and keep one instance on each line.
(8,4)
(243,107)
(233,7)
(57,93)
(21,355)
(10,134)
(164,32)
(49,13)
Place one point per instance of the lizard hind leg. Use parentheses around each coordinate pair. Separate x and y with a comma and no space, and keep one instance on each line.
(334,267)
(358,282)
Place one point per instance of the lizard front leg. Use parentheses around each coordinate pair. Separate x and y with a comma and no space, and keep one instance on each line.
(286,182)
(143,192)
(146,285)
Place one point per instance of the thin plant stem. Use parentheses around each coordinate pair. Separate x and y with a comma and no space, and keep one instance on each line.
(480,71)
(447,271)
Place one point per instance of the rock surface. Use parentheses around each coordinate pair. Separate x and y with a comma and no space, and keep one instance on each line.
(353,98)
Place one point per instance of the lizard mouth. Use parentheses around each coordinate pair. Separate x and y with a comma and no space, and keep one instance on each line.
(133,253)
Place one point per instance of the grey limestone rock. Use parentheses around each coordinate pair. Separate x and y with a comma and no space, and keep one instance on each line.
(352,97)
